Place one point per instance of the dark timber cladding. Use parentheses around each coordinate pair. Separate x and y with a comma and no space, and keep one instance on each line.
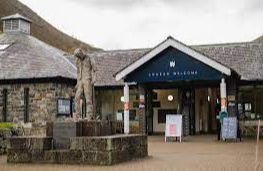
(173,65)
(4,105)
(26,105)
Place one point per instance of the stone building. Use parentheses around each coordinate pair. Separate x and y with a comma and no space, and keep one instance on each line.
(174,78)
(36,80)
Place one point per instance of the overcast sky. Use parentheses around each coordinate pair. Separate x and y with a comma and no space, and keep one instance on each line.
(125,24)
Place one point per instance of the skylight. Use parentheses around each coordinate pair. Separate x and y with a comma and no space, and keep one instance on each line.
(4,46)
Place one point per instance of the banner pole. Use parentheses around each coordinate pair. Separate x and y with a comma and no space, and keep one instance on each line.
(256,151)
(258,130)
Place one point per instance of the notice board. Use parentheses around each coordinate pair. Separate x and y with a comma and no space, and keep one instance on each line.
(173,127)
(63,106)
(229,128)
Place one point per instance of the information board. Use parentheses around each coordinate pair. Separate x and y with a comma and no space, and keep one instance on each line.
(173,126)
(229,128)
(119,116)
(63,106)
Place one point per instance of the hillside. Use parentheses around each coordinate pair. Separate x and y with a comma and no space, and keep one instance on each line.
(42,29)
(259,39)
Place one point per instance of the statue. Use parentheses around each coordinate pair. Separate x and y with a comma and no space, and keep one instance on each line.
(85,82)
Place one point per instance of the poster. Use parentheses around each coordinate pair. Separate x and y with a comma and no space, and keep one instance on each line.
(229,128)
(173,126)
(142,102)
(119,116)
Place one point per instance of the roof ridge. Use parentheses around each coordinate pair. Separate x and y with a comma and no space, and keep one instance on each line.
(16,16)
(223,44)
(120,50)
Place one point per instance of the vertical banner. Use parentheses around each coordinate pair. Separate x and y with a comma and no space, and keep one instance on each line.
(173,127)
(223,95)
(126,109)
(142,102)
(258,130)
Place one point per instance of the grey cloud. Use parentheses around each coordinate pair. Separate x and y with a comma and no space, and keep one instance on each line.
(254,5)
(111,4)
(132,4)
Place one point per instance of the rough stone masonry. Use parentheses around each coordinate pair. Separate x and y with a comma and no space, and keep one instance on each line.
(104,150)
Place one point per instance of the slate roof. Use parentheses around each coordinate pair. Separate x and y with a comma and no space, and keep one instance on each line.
(259,39)
(16,16)
(245,58)
(28,57)
(109,62)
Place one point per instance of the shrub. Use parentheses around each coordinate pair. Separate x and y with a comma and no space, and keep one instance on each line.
(6,125)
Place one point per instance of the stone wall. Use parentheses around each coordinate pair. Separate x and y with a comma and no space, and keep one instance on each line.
(106,150)
(42,100)
(4,134)
(28,149)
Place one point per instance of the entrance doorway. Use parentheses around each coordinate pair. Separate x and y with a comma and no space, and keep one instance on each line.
(188,110)
(206,103)
(160,102)
(197,105)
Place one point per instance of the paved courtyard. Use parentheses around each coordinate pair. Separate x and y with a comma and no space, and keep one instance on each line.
(194,153)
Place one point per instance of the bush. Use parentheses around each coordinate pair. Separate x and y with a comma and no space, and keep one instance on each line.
(6,125)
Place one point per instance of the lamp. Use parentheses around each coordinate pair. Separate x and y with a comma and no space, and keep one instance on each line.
(170,98)
(122,98)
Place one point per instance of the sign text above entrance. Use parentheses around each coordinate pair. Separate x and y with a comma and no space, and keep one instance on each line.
(173,65)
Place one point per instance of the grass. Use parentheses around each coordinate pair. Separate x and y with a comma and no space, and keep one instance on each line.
(6,125)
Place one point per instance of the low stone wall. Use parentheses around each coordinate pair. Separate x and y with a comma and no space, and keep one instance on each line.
(4,134)
(28,149)
(103,150)
(62,131)
(108,150)
(35,131)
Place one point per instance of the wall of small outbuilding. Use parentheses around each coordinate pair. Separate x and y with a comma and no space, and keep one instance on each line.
(42,100)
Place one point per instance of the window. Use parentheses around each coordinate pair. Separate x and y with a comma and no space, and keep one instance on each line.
(5,105)
(15,24)
(132,114)
(72,106)
(26,105)
(24,26)
(8,25)
(163,112)
(248,107)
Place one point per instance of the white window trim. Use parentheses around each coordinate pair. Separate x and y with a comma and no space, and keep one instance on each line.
(177,45)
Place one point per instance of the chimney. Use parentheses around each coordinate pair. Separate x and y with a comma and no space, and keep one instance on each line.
(16,23)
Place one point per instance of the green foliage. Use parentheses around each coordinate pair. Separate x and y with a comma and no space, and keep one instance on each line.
(6,125)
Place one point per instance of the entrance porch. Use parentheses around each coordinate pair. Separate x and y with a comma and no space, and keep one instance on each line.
(173,78)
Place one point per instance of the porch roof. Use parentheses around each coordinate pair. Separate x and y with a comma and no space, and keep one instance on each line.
(246,58)
(171,42)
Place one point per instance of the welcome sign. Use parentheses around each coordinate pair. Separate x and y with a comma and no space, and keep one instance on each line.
(173,65)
